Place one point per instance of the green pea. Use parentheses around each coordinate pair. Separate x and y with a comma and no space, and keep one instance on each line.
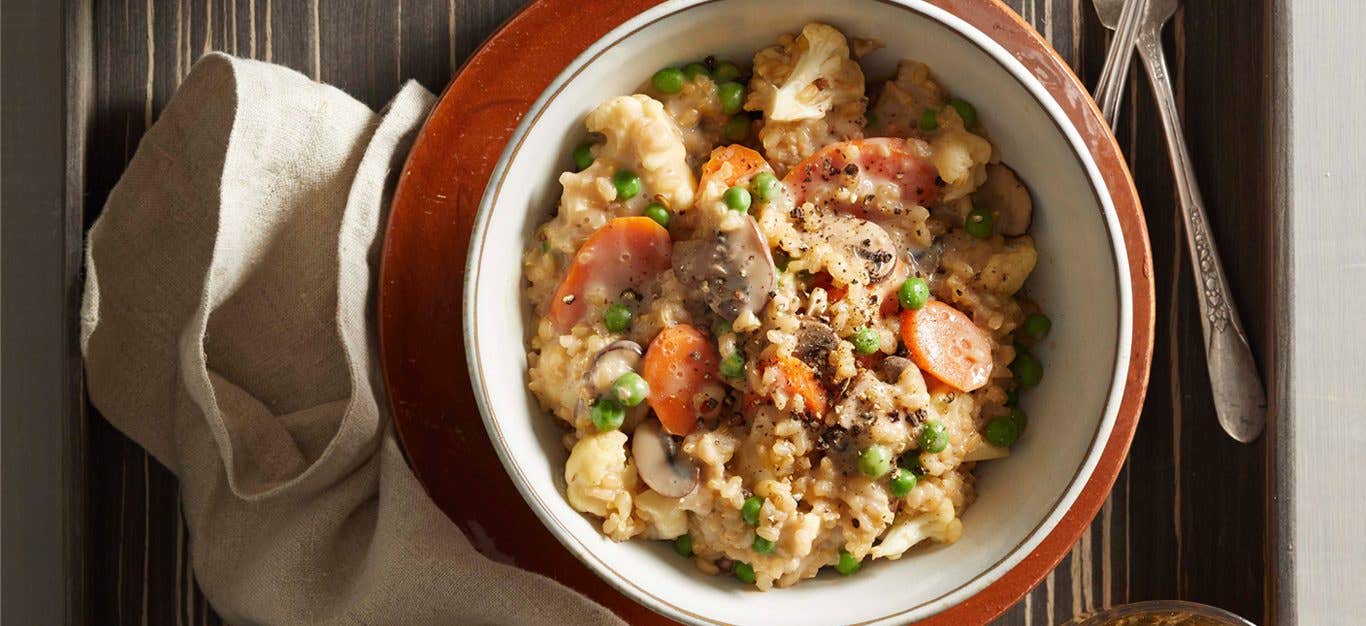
(979,223)
(725,70)
(1027,369)
(721,327)
(1019,417)
(875,461)
(934,438)
(903,481)
(764,186)
(732,96)
(668,80)
(545,246)
(749,511)
(929,120)
(583,156)
(965,110)
(914,293)
(737,199)
(871,117)
(733,366)
(762,546)
(683,545)
(1002,432)
(607,414)
(627,184)
(630,389)
(866,341)
(1037,325)
(847,565)
(780,260)
(658,213)
(744,572)
(693,70)
(737,129)
(617,318)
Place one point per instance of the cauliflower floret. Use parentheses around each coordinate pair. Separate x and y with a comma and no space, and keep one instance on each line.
(811,93)
(1007,268)
(600,481)
(800,80)
(642,136)
(665,516)
(940,525)
(960,156)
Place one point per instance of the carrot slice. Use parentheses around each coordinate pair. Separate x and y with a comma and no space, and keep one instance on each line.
(625,254)
(744,163)
(798,379)
(678,364)
(880,159)
(945,343)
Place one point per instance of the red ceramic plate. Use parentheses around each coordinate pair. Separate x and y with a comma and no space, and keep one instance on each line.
(425,248)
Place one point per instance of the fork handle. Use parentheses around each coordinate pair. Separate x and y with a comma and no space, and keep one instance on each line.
(1239,397)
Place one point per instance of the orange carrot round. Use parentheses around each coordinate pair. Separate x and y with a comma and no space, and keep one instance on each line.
(947,345)
(882,158)
(678,364)
(625,254)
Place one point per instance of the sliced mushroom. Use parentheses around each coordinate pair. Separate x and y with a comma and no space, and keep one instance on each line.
(609,364)
(661,463)
(863,241)
(892,367)
(731,270)
(815,341)
(1008,200)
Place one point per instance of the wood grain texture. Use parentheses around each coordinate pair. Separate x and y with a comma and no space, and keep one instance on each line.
(1186,517)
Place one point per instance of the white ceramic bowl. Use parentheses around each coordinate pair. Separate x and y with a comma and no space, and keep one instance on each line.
(1081,280)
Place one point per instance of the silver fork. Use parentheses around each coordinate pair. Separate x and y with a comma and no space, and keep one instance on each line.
(1239,397)
(1124,17)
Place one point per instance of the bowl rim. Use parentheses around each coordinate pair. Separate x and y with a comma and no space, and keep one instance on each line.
(1098,187)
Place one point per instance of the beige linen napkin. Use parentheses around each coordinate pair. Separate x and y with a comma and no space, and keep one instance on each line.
(227,327)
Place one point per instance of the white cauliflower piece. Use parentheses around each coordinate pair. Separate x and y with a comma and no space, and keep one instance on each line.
(807,76)
(1007,268)
(642,136)
(600,481)
(960,156)
(665,516)
(811,93)
(939,525)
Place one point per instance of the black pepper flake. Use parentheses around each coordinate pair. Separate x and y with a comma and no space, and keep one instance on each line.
(855,522)
(851,169)
(939,182)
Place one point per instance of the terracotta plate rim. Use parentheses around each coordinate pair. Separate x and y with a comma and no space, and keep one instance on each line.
(1128,357)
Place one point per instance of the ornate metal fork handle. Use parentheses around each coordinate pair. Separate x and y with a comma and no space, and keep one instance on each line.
(1239,398)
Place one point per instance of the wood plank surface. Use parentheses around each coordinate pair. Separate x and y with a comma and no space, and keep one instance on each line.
(1187,516)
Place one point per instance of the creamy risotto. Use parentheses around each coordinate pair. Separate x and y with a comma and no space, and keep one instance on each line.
(779,312)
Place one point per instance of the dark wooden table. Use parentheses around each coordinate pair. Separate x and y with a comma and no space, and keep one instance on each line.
(1187,516)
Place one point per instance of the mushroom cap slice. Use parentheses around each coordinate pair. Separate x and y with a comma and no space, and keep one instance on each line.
(661,463)
(731,270)
(1008,200)
(891,368)
(865,245)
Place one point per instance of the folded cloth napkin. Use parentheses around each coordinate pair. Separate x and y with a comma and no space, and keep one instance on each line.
(227,327)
